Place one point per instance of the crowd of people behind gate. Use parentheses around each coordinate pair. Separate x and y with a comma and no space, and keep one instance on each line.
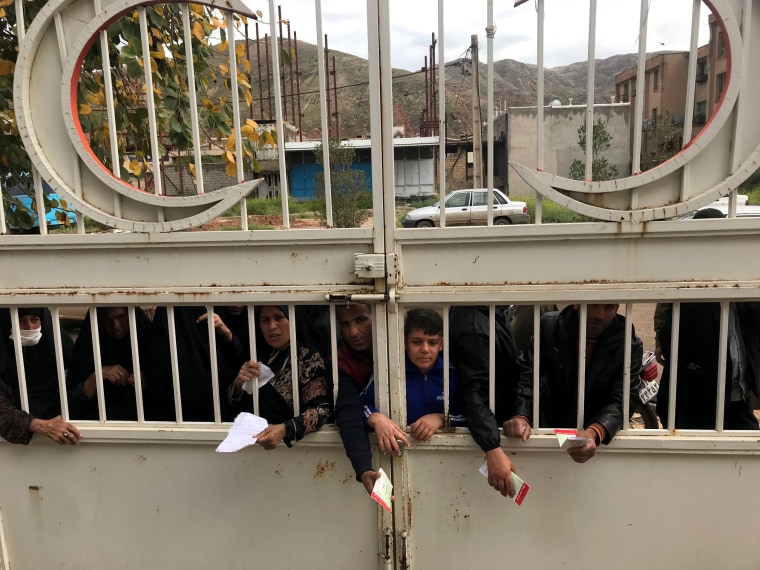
(268,370)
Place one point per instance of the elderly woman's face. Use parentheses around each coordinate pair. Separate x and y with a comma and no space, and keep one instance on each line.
(275,327)
(29,322)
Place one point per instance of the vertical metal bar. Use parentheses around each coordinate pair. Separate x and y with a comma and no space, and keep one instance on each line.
(490,32)
(59,364)
(583,314)
(441,111)
(188,38)
(334,351)
(235,97)
(252,325)
(639,104)
(381,104)
(3,225)
(627,365)
(20,23)
(492,358)
(674,342)
(134,342)
(19,351)
(536,364)
(590,89)
(98,361)
(105,58)
(174,362)
(281,127)
(78,192)
(151,102)
(294,361)
(214,358)
(691,75)
(446,359)
(40,201)
(323,116)
(720,399)
(741,104)
(538,214)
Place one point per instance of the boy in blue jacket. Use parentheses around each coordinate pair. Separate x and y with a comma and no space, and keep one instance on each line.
(423,341)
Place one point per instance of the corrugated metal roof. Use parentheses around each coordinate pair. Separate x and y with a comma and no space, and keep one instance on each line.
(363,143)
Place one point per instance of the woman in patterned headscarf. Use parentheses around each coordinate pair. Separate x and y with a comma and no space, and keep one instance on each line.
(276,396)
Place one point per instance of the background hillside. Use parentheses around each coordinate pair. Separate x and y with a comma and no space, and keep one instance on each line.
(514,86)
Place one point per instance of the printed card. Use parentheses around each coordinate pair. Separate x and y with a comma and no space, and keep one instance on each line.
(521,487)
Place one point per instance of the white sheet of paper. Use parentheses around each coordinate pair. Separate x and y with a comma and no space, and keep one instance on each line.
(241,433)
(521,487)
(265,375)
(383,490)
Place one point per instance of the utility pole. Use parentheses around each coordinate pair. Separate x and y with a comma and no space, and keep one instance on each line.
(477,137)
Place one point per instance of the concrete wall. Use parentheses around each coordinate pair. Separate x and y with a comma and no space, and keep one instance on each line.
(561,140)
(214,178)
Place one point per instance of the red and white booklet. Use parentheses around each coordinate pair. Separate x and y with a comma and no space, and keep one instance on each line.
(383,490)
(521,487)
(568,438)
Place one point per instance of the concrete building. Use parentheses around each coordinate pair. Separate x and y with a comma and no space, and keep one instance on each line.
(561,123)
(665,89)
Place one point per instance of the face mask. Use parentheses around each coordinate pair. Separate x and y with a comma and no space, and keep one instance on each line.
(29,338)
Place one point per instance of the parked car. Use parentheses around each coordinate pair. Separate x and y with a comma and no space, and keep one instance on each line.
(468,208)
(55,216)
(743,208)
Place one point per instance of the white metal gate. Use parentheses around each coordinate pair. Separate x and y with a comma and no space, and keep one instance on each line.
(155,496)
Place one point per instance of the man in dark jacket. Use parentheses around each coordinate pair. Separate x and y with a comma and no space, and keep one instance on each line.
(469,345)
(603,401)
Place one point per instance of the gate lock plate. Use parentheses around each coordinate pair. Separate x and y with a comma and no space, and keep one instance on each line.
(369,265)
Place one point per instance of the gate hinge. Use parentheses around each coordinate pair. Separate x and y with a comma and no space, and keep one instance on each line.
(369,265)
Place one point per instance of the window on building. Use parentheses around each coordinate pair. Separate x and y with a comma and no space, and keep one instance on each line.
(625,91)
(721,45)
(720,83)
(426,152)
(700,113)
(702,70)
(656,79)
(654,115)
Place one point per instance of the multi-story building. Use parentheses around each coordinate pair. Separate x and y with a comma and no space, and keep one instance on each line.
(665,90)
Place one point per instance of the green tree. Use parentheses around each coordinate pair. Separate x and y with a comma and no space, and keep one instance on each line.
(351,198)
(600,168)
(664,141)
(210,51)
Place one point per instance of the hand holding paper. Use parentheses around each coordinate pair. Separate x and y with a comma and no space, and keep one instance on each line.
(521,487)
(383,490)
(241,433)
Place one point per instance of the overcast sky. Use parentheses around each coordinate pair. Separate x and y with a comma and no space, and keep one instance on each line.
(566,27)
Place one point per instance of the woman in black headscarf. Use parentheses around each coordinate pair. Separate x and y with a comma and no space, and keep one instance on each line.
(41,375)
(193,361)
(276,396)
(117,363)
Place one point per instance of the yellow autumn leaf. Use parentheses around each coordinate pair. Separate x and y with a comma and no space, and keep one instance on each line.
(285,22)
(231,141)
(231,170)
(135,167)
(268,138)
(153,65)
(197,9)
(222,47)
(216,22)
(98,98)
(156,33)
(2,12)
(243,19)
(198,32)
(247,65)
(240,49)
(85,109)
(207,103)
(191,168)
(248,98)
(135,16)
(159,9)
(253,123)
(228,157)
(247,130)
(4,3)
(158,54)
(6,66)
(223,69)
